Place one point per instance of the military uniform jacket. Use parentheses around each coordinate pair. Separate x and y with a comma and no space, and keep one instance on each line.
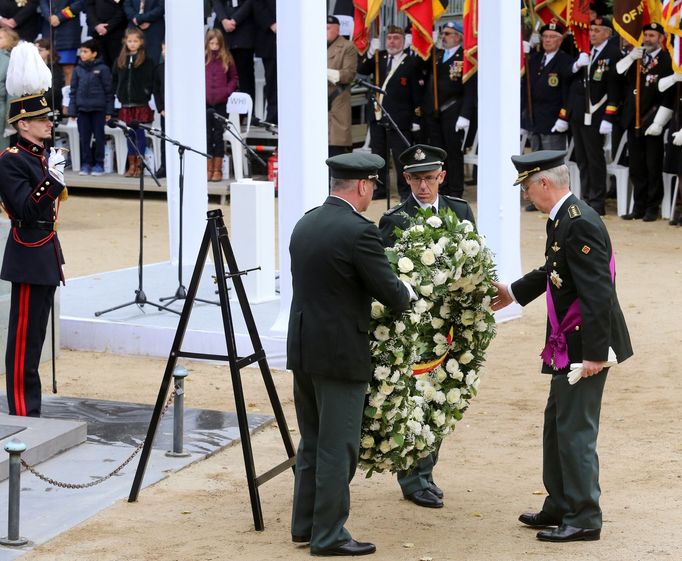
(337,266)
(604,81)
(549,90)
(395,217)
(30,198)
(240,11)
(578,252)
(650,99)
(403,92)
(454,96)
(341,56)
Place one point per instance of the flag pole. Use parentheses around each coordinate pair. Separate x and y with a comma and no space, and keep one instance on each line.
(435,79)
(638,81)
(376,55)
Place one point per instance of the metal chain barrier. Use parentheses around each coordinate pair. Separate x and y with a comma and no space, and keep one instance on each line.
(102,479)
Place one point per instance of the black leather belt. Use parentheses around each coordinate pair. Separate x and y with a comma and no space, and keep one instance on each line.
(36,225)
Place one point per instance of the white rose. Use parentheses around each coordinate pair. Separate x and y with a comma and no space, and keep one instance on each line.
(386,388)
(374,425)
(419,444)
(468,335)
(430,438)
(437,323)
(418,415)
(415,317)
(444,311)
(439,398)
(428,258)
(453,396)
(414,426)
(429,393)
(471,378)
(420,306)
(443,241)
(440,278)
(437,250)
(419,229)
(385,446)
(470,248)
(468,226)
(381,372)
(399,327)
(394,377)
(441,375)
(434,221)
(438,418)
(451,366)
(421,383)
(466,357)
(439,339)
(405,265)
(426,289)
(377,309)
(481,326)
(457,375)
(467,317)
(367,441)
(377,400)
(382,333)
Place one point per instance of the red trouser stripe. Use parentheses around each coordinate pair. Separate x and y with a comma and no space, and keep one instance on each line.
(20,350)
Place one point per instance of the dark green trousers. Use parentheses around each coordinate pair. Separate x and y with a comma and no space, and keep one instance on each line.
(570,469)
(329,414)
(421,476)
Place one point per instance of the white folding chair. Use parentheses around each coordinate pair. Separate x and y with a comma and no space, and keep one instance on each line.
(573,171)
(156,141)
(238,104)
(70,129)
(668,202)
(471,155)
(624,196)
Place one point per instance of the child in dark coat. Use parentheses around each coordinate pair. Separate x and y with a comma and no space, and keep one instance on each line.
(92,103)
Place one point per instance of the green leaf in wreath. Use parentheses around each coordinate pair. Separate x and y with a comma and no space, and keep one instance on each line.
(370,412)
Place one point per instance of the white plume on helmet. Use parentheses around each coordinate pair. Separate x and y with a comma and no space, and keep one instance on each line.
(27,73)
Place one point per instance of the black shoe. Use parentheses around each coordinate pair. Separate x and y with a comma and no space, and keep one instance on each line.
(351,547)
(531,208)
(650,217)
(435,490)
(566,533)
(425,498)
(300,539)
(538,519)
(161,172)
(632,216)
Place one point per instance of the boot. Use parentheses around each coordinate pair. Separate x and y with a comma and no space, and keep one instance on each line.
(132,166)
(209,168)
(138,166)
(217,169)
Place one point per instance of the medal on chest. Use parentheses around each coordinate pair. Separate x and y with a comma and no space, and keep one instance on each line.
(555,279)
(455,70)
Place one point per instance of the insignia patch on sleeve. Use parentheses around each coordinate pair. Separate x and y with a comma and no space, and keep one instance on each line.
(573,211)
(586,249)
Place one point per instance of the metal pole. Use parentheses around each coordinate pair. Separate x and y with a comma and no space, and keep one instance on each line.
(14,448)
(179,375)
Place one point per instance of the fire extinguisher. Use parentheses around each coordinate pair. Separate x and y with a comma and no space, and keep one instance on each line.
(273,167)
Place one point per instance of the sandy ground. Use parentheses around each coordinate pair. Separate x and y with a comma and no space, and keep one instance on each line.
(489,468)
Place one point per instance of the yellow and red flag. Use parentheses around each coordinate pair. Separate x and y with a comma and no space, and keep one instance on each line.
(422,14)
(671,18)
(578,21)
(551,11)
(470,46)
(630,16)
(373,7)
(360,30)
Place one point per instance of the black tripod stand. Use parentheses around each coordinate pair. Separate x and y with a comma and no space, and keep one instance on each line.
(140,297)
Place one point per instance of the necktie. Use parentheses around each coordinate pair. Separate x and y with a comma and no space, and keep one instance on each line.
(434,210)
(389,64)
(542,64)
(594,55)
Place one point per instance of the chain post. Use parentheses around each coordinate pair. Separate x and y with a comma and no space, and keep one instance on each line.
(14,448)
(179,375)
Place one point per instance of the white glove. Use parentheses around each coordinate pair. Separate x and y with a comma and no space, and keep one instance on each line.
(560,126)
(56,162)
(413,294)
(374,46)
(462,124)
(534,39)
(523,132)
(677,138)
(663,115)
(576,372)
(605,127)
(333,75)
(624,63)
(583,60)
(665,83)
(415,127)
(526,47)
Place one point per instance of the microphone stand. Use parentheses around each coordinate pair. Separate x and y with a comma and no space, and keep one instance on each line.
(140,297)
(181,291)
(228,126)
(389,125)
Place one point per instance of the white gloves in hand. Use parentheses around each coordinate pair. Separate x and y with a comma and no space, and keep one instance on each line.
(333,75)
(413,294)
(605,127)
(668,81)
(624,63)
(374,46)
(534,39)
(462,124)
(577,368)
(583,60)
(560,126)
(56,162)
(526,47)
(663,115)
(677,138)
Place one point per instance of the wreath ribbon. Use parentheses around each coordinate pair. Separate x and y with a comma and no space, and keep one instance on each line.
(426,367)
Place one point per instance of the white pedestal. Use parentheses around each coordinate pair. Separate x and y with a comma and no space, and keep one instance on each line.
(252,234)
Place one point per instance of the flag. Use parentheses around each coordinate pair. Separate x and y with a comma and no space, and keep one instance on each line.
(578,21)
(470,25)
(629,16)
(671,18)
(422,14)
(360,30)
(373,7)
(551,10)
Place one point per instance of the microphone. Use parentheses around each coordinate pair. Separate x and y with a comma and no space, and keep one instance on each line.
(371,87)
(138,125)
(218,116)
(118,124)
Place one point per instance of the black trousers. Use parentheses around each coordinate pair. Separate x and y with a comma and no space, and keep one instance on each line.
(382,140)
(29,311)
(589,155)
(441,130)
(243,60)
(91,123)
(270,65)
(215,145)
(645,155)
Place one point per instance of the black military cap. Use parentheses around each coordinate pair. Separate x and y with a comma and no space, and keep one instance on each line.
(333,20)
(27,107)
(528,164)
(356,165)
(553,26)
(604,21)
(395,29)
(653,26)
(422,157)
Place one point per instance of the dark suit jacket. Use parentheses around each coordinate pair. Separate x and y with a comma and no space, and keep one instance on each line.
(578,249)
(26,16)
(394,218)
(265,14)
(243,36)
(451,88)
(337,266)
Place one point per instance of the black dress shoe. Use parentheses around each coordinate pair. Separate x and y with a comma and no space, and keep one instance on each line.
(650,217)
(435,490)
(300,539)
(425,498)
(632,216)
(538,519)
(531,208)
(351,547)
(566,533)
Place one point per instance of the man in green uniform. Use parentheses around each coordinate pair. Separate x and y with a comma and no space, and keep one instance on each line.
(584,323)
(423,171)
(337,266)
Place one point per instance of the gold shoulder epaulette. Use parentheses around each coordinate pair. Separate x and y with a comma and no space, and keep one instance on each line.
(573,211)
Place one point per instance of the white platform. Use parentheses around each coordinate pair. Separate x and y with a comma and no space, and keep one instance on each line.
(148,331)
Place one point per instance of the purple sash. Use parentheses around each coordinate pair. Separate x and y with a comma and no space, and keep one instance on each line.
(555,353)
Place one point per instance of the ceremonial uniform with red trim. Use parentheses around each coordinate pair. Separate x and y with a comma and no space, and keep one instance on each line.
(32,263)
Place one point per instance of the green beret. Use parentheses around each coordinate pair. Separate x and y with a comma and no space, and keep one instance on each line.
(355,165)
(528,164)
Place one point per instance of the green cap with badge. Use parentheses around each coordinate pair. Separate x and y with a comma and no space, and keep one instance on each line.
(355,165)
(422,157)
(528,164)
